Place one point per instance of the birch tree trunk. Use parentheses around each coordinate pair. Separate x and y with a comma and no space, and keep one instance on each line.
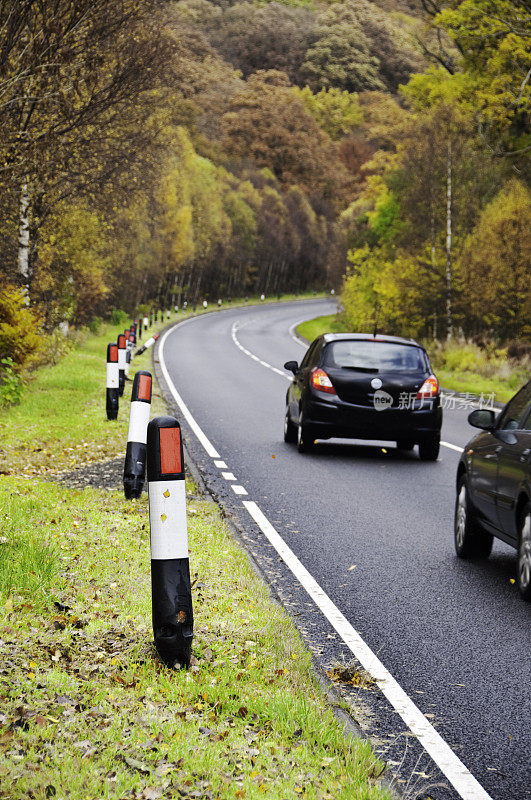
(24,234)
(449,243)
(433,264)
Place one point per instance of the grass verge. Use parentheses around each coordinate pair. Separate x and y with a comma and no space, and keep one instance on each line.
(87,709)
(460,367)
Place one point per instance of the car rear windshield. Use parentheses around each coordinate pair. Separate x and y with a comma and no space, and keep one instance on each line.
(374,356)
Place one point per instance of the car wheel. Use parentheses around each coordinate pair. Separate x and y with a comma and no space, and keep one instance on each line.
(429,448)
(290,430)
(405,444)
(524,554)
(305,437)
(470,539)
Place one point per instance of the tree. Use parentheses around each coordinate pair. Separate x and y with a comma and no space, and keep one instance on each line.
(339,56)
(269,124)
(494,265)
(336,112)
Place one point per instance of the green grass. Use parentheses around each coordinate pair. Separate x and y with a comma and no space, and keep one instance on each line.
(460,367)
(313,328)
(87,710)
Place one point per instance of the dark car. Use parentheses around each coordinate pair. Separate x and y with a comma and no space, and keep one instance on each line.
(494,485)
(359,386)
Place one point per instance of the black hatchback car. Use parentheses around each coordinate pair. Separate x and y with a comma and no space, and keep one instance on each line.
(359,386)
(494,486)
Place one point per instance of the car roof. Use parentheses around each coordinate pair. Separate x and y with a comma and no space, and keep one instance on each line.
(368,337)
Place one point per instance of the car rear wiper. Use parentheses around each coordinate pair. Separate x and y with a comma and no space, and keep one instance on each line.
(362,369)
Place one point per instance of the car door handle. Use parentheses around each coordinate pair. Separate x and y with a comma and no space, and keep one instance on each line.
(494,454)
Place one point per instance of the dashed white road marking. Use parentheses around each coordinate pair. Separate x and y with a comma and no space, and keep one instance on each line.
(453,447)
(220,464)
(238,344)
(229,476)
(450,765)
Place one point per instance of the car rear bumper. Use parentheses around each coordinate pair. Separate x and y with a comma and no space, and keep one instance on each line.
(345,420)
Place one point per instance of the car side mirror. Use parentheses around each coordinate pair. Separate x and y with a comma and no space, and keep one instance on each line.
(292,366)
(483,418)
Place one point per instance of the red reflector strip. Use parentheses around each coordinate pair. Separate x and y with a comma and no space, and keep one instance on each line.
(113,354)
(144,393)
(121,341)
(170,451)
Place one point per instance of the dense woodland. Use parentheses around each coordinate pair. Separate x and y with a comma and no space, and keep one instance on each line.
(153,151)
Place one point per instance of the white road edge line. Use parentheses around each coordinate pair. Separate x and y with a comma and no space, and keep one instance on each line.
(461,779)
(237,489)
(220,464)
(207,444)
(229,476)
(450,765)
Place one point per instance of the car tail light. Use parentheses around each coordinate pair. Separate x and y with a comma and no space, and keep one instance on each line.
(321,381)
(430,388)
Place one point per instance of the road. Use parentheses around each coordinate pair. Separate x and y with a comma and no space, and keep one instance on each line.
(373,527)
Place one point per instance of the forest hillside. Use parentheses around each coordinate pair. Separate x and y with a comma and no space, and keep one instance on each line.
(155,151)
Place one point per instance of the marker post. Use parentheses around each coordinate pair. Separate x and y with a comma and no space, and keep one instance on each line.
(113,381)
(140,321)
(146,322)
(122,360)
(135,454)
(173,620)
(147,344)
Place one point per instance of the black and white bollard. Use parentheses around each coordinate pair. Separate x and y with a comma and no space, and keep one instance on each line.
(149,343)
(173,621)
(140,321)
(113,381)
(135,454)
(122,352)
(150,318)
(146,322)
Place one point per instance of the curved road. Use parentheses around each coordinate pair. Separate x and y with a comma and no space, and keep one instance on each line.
(374,528)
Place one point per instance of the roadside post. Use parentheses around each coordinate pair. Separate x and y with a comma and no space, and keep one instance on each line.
(121,363)
(132,340)
(173,621)
(150,319)
(205,304)
(149,343)
(135,454)
(140,321)
(168,314)
(113,381)
(146,322)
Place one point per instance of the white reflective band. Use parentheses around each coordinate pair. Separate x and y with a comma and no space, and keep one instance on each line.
(113,377)
(167,520)
(126,368)
(121,357)
(149,342)
(138,422)
(146,322)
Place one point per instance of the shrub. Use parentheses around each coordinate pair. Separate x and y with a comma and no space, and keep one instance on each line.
(119,317)
(11,383)
(20,328)
(94,325)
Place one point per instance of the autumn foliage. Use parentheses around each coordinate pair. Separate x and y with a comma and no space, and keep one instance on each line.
(154,151)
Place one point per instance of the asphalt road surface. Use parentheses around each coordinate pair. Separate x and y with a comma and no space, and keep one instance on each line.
(373,527)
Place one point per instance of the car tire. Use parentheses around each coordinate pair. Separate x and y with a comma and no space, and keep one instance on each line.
(305,437)
(290,429)
(524,554)
(470,539)
(429,448)
(405,444)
